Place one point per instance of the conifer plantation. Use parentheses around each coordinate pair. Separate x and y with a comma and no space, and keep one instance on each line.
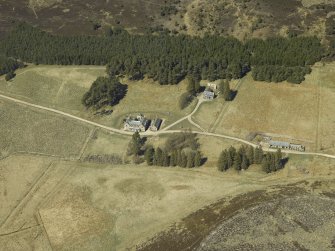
(168,59)
(242,158)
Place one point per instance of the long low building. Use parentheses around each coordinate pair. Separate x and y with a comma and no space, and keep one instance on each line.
(285,145)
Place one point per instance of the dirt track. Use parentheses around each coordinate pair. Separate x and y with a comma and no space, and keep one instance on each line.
(159,132)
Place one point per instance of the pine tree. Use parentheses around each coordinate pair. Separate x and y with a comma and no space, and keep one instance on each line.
(190,160)
(278,159)
(183,160)
(244,164)
(197,159)
(149,155)
(250,155)
(179,158)
(238,162)
(231,156)
(258,155)
(9,75)
(226,92)
(191,85)
(223,161)
(158,157)
(134,147)
(165,159)
(173,158)
(197,86)
(266,163)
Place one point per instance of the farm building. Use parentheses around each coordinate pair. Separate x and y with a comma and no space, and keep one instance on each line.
(285,145)
(155,125)
(138,124)
(209,95)
(279,144)
(297,147)
(212,86)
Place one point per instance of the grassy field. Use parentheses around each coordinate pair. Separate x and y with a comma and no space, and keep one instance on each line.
(324,76)
(85,206)
(103,142)
(17,174)
(208,112)
(285,110)
(118,207)
(30,130)
(298,113)
(63,87)
(60,87)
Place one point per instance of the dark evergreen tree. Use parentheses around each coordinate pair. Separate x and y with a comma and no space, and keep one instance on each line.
(190,160)
(174,158)
(237,162)
(10,75)
(223,161)
(272,59)
(183,160)
(231,156)
(258,156)
(197,159)
(158,160)
(135,144)
(149,155)
(244,164)
(104,91)
(250,155)
(179,158)
(165,159)
(226,91)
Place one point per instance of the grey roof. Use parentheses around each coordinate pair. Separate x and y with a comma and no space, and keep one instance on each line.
(279,143)
(157,123)
(134,122)
(208,93)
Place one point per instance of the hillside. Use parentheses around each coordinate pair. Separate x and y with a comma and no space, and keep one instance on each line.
(239,18)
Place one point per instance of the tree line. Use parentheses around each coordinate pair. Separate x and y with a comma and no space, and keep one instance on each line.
(8,67)
(181,149)
(165,58)
(243,157)
(178,157)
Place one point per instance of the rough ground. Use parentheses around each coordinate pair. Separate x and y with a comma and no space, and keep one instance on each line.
(240,18)
(293,217)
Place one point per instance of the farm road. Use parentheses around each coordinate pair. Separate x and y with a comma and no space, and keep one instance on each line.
(166,131)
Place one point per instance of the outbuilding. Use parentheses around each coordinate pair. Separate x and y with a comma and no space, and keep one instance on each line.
(155,125)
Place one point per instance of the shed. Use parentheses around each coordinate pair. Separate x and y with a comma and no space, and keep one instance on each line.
(156,124)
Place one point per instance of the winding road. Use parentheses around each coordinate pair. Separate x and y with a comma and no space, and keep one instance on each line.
(163,131)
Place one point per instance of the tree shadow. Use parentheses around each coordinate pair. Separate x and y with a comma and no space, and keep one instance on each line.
(233,94)
(284,161)
(203,161)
